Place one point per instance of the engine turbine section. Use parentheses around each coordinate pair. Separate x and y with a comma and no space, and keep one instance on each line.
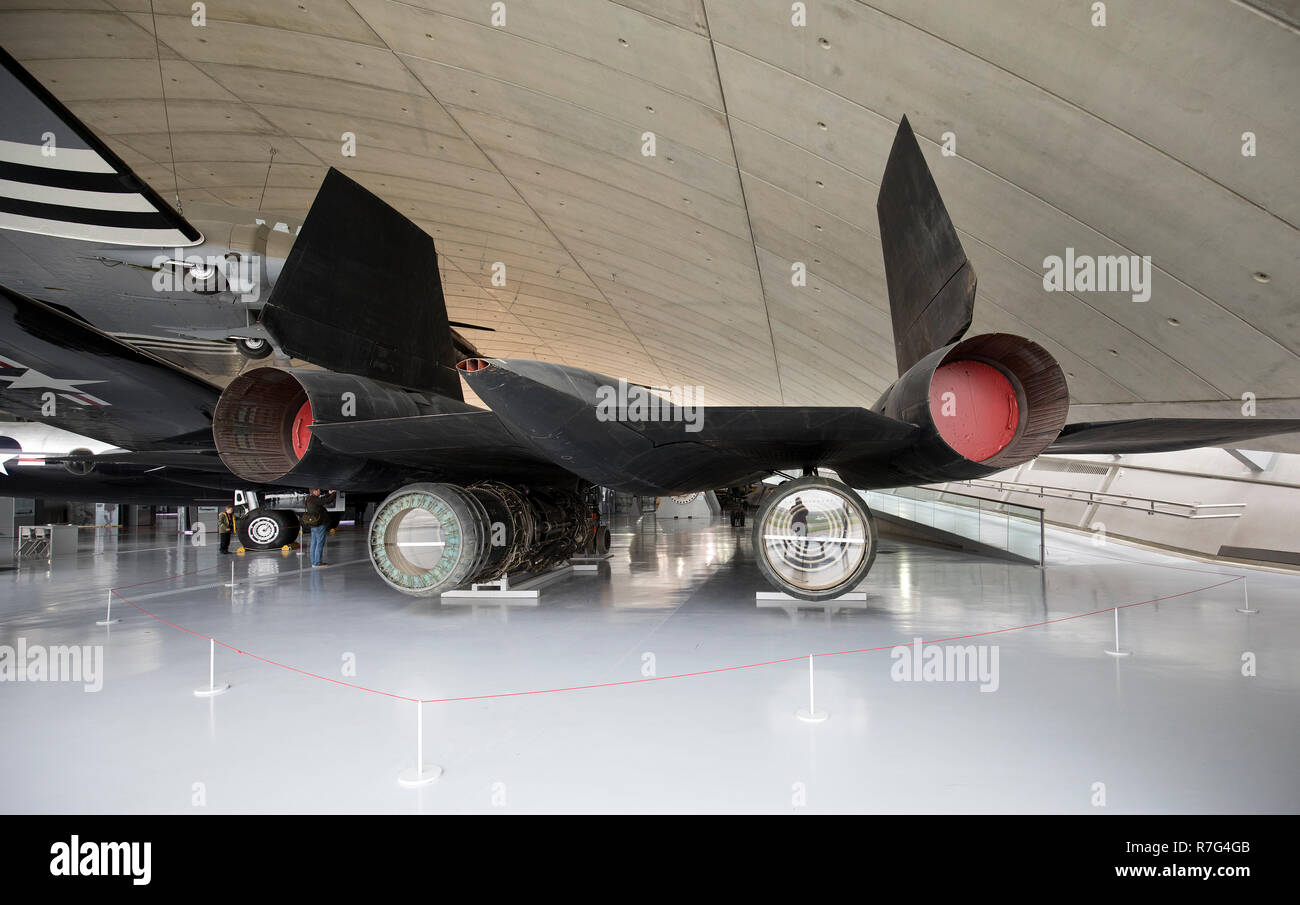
(815,539)
(429,538)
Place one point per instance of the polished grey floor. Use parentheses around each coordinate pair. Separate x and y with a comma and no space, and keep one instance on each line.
(1175,727)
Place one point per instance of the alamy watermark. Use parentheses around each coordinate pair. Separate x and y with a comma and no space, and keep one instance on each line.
(75,858)
(633,402)
(231,272)
(25,662)
(1098,273)
(921,662)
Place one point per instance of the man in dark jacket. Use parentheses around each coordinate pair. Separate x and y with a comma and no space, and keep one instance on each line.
(226,527)
(314,517)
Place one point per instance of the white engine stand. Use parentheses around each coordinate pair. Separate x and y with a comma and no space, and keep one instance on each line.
(853,600)
(522,586)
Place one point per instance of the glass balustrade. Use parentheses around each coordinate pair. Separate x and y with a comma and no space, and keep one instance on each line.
(1004,526)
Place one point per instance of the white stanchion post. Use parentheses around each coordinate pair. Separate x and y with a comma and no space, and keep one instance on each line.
(108,616)
(213,689)
(232,582)
(1118,651)
(811,714)
(1246,608)
(422,773)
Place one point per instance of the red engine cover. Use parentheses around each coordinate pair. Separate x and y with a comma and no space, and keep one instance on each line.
(974,407)
(300,433)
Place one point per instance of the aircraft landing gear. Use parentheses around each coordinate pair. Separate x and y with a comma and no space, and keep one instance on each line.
(267,529)
(814,538)
(253,347)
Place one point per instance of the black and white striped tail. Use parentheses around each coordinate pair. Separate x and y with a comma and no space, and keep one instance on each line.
(58,179)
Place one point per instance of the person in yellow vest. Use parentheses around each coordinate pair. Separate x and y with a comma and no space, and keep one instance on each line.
(226,527)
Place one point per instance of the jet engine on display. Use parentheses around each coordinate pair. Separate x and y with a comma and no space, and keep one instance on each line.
(427,538)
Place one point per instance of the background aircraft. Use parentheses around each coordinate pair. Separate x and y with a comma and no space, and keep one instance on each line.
(82,233)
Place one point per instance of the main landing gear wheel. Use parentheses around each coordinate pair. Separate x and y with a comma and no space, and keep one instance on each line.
(267,529)
(814,538)
(253,347)
(428,538)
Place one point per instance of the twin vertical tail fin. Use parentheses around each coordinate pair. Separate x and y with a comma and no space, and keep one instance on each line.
(931,283)
(360,293)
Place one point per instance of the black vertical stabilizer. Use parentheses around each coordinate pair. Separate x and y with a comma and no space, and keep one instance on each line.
(360,294)
(931,283)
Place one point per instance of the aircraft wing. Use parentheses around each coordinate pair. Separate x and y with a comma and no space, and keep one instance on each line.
(204,460)
(467,445)
(1149,435)
(58,370)
(57,178)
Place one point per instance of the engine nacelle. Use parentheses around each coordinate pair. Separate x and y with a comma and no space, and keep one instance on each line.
(986,403)
(428,538)
(262,427)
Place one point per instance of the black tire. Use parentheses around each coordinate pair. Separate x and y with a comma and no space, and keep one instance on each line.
(267,529)
(253,348)
(797,555)
(603,540)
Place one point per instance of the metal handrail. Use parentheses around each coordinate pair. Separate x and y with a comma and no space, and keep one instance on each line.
(1094,497)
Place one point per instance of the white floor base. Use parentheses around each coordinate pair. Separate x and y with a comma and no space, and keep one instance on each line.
(410,777)
(1120,653)
(116,621)
(813,716)
(206,692)
(850,597)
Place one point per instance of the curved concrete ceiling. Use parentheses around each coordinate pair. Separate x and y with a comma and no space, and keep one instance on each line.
(523,145)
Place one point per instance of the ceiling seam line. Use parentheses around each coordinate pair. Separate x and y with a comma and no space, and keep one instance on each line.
(650,358)
(179,57)
(1119,325)
(1017,187)
(993,303)
(560,100)
(538,341)
(1084,110)
(554,48)
(762,287)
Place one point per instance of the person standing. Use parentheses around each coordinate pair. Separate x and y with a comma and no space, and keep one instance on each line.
(313,517)
(226,527)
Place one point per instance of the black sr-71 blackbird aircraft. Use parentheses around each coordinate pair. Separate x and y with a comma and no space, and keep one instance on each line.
(468,494)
